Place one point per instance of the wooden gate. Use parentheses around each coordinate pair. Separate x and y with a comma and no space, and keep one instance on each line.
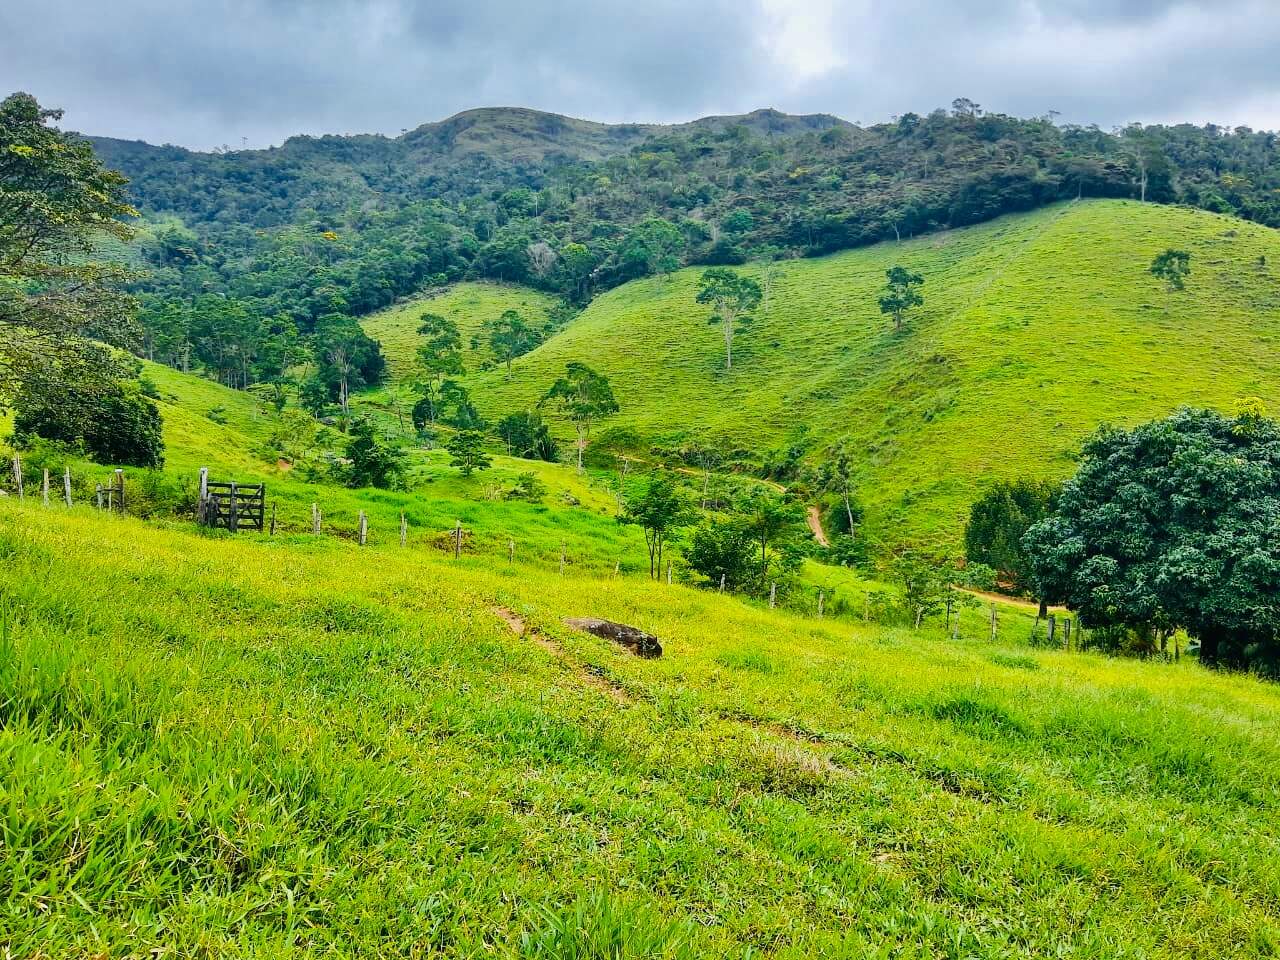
(232,506)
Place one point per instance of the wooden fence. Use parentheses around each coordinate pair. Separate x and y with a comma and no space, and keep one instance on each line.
(230,505)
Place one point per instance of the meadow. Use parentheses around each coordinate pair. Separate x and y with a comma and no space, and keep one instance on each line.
(1037,328)
(260,747)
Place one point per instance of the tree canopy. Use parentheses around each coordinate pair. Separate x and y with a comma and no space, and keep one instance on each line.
(1175,523)
(582,396)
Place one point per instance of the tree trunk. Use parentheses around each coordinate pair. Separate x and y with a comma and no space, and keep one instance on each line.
(848,511)
(1043,612)
(582,442)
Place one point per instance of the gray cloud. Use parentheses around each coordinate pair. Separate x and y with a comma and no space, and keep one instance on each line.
(233,71)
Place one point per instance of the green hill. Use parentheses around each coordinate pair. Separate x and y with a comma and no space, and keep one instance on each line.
(1037,329)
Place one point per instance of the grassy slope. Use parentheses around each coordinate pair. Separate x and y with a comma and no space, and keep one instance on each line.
(470,305)
(1037,328)
(269,748)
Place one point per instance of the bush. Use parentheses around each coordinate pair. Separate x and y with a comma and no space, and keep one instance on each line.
(118,426)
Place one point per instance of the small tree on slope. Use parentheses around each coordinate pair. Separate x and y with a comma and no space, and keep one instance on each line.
(732,298)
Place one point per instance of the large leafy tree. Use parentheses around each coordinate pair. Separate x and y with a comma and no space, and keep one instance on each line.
(1173,267)
(113,422)
(582,396)
(1175,523)
(732,298)
(57,201)
(346,358)
(901,292)
(660,511)
(466,448)
(373,461)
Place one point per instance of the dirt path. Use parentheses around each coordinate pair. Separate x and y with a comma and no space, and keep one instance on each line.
(1018,602)
(814,515)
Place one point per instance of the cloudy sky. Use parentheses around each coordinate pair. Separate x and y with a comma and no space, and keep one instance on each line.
(208,72)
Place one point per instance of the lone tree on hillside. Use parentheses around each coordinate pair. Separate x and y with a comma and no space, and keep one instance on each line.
(511,337)
(582,397)
(467,450)
(732,297)
(439,356)
(900,294)
(1173,267)
(1174,524)
(57,304)
(374,461)
(659,511)
(838,475)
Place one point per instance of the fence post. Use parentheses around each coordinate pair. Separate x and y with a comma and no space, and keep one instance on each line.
(44,490)
(668,573)
(404,529)
(315,518)
(204,484)
(273,519)
(773,595)
(457,540)
(994,621)
(233,518)
(120,489)
(822,602)
(617,568)
(66,484)
(99,495)
(511,551)
(562,559)
(364,529)
(17,474)
(722,583)
(1066,634)
(1053,628)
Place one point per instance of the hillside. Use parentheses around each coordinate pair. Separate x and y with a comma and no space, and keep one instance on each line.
(1036,329)
(263,748)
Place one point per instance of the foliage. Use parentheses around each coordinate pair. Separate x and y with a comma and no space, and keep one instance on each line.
(582,396)
(113,422)
(527,436)
(723,551)
(772,521)
(1174,524)
(346,359)
(510,337)
(732,298)
(527,487)
(900,293)
(1173,267)
(660,511)
(466,447)
(999,520)
(373,462)
(57,203)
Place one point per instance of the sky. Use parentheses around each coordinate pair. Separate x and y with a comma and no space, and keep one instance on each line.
(210,73)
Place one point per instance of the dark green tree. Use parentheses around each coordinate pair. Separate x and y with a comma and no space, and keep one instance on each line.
(1173,267)
(1175,523)
(467,450)
(113,422)
(527,436)
(582,396)
(660,511)
(732,298)
(374,462)
(723,549)
(346,358)
(999,519)
(901,293)
(770,519)
(651,247)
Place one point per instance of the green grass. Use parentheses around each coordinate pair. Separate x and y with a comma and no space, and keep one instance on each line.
(295,747)
(1037,329)
(469,305)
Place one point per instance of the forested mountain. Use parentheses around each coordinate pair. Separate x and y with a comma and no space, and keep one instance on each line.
(572,207)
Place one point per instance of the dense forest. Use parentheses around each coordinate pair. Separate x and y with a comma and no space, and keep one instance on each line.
(248,248)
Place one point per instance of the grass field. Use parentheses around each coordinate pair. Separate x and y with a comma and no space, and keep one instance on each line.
(1036,329)
(469,305)
(293,747)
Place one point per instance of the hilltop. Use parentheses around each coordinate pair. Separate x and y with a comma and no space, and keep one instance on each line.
(1036,330)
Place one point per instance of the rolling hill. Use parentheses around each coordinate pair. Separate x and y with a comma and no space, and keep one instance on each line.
(1037,329)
